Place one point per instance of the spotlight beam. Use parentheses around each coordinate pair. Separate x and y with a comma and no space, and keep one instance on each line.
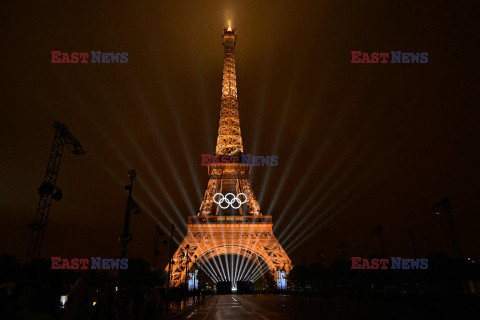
(212,275)
(338,182)
(134,142)
(243,267)
(262,94)
(308,230)
(292,160)
(280,128)
(129,137)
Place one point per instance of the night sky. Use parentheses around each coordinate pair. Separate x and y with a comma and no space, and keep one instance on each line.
(359,144)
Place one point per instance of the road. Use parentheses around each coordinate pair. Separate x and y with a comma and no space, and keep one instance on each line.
(286,307)
(269,307)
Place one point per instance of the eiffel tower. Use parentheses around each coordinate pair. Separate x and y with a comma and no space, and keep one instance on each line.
(216,231)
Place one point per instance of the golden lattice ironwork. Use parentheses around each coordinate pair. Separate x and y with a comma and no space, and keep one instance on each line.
(229,140)
(229,177)
(213,232)
(251,240)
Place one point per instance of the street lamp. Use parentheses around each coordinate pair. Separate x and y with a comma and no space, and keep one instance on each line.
(126,237)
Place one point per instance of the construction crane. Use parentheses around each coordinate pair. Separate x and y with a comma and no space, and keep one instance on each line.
(48,190)
(444,207)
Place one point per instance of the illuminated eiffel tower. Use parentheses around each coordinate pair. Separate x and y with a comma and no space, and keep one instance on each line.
(216,231)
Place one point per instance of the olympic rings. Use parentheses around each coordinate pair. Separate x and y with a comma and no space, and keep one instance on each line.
(229,200)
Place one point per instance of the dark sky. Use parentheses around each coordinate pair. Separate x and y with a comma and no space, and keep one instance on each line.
(358,144)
